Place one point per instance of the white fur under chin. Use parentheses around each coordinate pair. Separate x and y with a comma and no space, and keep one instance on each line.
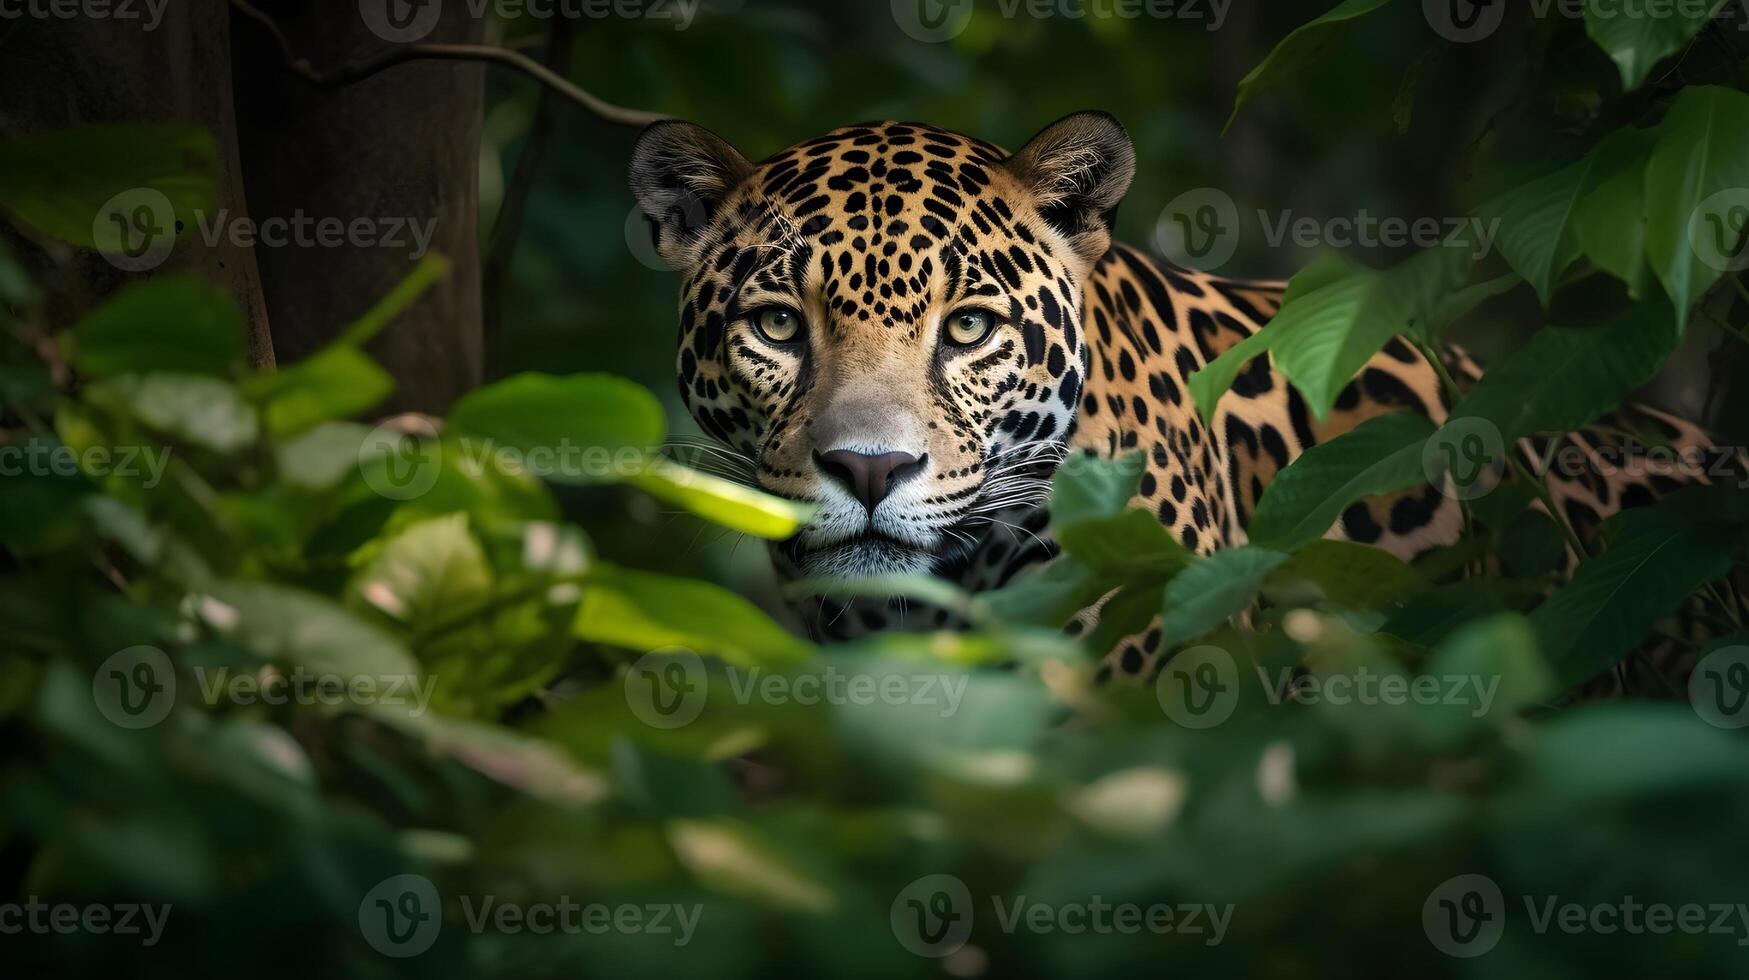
(865,557)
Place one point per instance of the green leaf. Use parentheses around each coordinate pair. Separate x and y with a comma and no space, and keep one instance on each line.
(732,505)
(40,497)
(1535,223)
(737,859)
(1092,520)
(176,323)
(1208,383)
(1305,46)
(1347,573)
(292,627)
(1611,220)
(1629,752)
(595,427)
(643,611)
(429,570)
(1499,654)
(530,765)
(336,382)
(1427,618)
(199,410)
(1702,149)
(1322,338)
(61,182)
(1566,377)
(1048,595)
(322,457)
(1653,563)
(1531,545)
(1637,42)
(1379,456)
(1213,590)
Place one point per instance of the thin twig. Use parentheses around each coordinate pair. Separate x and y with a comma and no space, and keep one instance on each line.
(389,57)
(507,228)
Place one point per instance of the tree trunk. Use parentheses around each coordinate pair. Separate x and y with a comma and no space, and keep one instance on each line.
(57,73)
(400,148)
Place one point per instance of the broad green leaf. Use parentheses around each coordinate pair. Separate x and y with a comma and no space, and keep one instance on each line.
(585,428)
(737,507)
(1702,149)
(62,181)
(320,458)
(1611,220)
(1211,381)
(428,571)
(531,765)
(1498,656)
(1208,383)
(292,627)
(1428,617)
(1126,612)
(336,382)
(200,410)
(1451,305)
(40,496)
(1306,45)
(1322,339)
(1536,224)
(1092,520)
(737,859)
(1377,457)
(176,323)
(1566,377)
(1637,39)
(1628,752)
(644,611)
(1347,573)
(1654,562)
(1531,545)
(1213,590)
(1048,595)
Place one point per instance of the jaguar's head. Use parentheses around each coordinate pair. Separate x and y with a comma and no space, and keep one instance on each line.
(886,320)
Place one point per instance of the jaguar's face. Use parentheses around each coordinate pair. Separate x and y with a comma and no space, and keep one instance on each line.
(886,319)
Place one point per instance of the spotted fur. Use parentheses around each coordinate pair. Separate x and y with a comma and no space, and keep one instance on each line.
(874,235)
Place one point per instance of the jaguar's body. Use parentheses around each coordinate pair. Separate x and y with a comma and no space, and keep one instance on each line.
(910,327)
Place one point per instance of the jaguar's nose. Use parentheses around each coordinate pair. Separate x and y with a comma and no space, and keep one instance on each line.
(869,478)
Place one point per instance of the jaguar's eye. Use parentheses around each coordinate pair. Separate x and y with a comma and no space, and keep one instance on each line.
(968,328)
(777,324)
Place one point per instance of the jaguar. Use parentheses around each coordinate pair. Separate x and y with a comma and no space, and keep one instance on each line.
(910,328)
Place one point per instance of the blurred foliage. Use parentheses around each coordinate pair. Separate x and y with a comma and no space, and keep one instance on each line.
(518,699)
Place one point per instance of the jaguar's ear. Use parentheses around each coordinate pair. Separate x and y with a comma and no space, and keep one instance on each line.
(681,173)
(1078,169)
